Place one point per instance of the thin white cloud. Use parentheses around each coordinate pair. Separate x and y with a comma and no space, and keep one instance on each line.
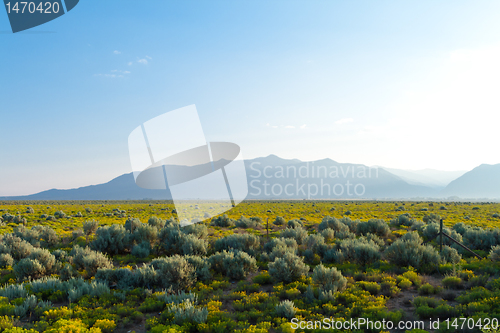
(148,57)
(344,121)
(117,52)
(110,76)
(115,74)
(285,126)
(119,71)
(130,63)
(143,61)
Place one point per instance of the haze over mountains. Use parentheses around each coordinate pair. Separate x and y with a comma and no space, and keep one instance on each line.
(427,177)
(272,177)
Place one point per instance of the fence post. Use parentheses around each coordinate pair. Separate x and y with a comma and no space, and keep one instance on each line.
(440,236)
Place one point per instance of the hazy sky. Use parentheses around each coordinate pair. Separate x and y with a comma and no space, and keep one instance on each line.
(403,84)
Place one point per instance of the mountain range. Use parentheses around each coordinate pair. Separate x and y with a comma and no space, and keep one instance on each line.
(273,177)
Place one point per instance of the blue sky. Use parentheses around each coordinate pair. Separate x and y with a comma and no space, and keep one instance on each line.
(409,85)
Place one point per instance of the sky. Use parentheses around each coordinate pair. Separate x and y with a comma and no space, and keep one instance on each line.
(401,84)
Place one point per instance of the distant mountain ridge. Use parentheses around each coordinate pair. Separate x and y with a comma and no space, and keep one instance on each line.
(272,177)
(481,182)
(427,177)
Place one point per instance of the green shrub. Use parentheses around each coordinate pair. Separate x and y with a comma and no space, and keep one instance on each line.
(144,233)
(279,221)
(408,251)
(177,298)
(187,312)
(412,276)
(201,266)
(478,281)
(299,234)
(192,245)
(123,277)
(6,260)
(174,271)
(366,253)
(147,276)
(288,268)
(234,264)
(67,272)
(450,255)
(45,258)
(427,289)
(171,238)
(7,217)
(285,309)
(222,221)
(417,225)
(91,261)
(13,291)
(200,230)
(332,223)
(425,312)
(105,325)
(156,222)
(403,219)
(431,218)
(328,234)
(492,285)
(430,230)
(279,252)
(90,227)
(244,222)
(141,250)
(15,246)
(28,268)
(453,282)
(389,287)
(131,224)
(316,243)
(461,228)
(38,235)
(59,214)
(6,323)
(285,242)
(372,287)
(329,278)
(404,283)
(361,251)
(263,278)
(477,238)
(495,253)
(243,242)
(295,223)
(61,255)
(110,239)
(374,226)
(373,238)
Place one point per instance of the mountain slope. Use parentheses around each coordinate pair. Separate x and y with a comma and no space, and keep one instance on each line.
(481,182)
(270,177)
(427,177)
